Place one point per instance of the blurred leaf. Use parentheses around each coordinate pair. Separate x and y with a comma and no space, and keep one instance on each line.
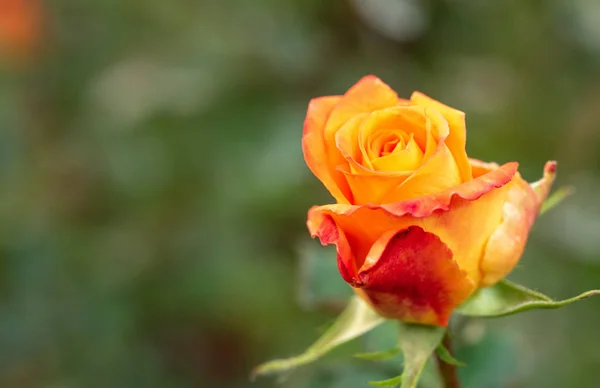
(380,355)
(393,382)
(320,282)
(492,361)
(506,298)
(357,319)
(557,197)
(448,358)
(417,342)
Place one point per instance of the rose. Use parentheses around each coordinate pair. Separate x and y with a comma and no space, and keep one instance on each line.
(418,225)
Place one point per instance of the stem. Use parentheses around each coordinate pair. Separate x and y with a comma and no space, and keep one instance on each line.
(447,372)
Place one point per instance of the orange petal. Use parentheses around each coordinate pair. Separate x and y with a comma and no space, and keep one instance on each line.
(457,139)
(479,167)
(437,173)
(410,275)
(322,225)
(470,191)
(463,217)
(506,244)
(367,95)
(313,146)
(347,144)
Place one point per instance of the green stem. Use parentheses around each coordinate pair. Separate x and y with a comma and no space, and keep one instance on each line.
(447,371)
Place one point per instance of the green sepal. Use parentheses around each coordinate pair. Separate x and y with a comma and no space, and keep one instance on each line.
(357,319)
(381,355)
(418,342)
(444,355)
(557,197)
(506,298)
(393,382)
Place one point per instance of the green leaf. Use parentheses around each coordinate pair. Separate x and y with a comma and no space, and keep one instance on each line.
(357,319)
(557,197)
(380,355)
(506,298)
(418,342)
(393,382)
(448,358)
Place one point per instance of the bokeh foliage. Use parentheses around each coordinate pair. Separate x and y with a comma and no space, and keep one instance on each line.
(154,195)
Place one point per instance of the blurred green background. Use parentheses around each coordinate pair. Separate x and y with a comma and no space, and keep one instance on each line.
(153,192)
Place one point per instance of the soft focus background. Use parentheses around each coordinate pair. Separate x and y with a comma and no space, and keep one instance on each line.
(153,192)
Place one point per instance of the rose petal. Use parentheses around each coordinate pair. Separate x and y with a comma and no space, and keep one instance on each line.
(315,153)
(475,211)
(479,167)
(367,95)
(322,225)
(506,244)
(409,158)
(410,275)
(457,139)
(438,171)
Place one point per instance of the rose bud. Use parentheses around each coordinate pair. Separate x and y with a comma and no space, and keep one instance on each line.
(418,225)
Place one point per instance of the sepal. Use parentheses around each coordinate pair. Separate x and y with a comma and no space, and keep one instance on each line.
(357,319)
(507,298)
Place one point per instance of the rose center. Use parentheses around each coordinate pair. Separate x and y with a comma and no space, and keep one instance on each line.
(393,150)
(390,146)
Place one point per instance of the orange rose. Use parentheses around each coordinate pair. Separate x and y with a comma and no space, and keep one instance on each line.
(418,225)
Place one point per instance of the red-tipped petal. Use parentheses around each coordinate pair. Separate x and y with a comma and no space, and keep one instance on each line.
(410,275)
(463,217)
(470,191)
(323,226)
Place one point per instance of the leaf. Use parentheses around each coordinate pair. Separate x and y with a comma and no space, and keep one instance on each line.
(357,319)
(557,197)
(506,298)
(393,382)
(418,342)
(380,355)
(448,358)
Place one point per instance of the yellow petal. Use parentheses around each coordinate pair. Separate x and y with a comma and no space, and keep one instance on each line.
(438,171)
(407,158)
(458,133)
(367,95)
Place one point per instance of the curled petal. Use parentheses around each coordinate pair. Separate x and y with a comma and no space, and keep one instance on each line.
(470,191)
(458,133)
(519,212)
(475,212)
(410,275)
(323,226)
